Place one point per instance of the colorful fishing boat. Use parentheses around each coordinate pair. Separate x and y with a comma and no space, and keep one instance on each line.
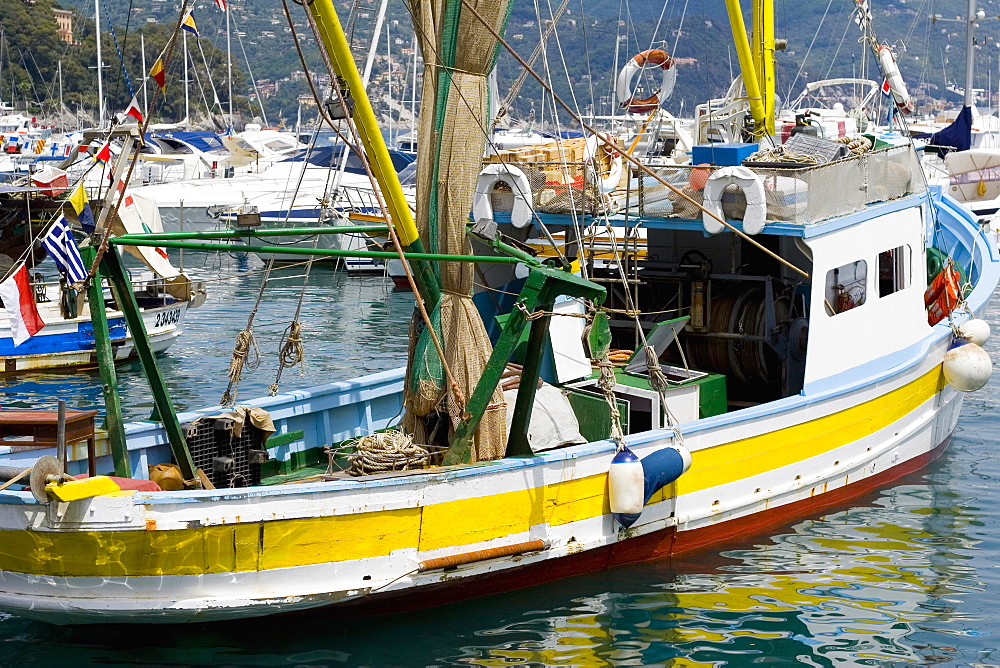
(790,357)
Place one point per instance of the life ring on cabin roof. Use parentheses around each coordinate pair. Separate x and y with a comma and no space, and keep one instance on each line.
(753,190)
(895,80)
(594,153)
(482,207)
(625,86)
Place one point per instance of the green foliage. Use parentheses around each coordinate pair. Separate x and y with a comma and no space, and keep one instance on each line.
(594,39)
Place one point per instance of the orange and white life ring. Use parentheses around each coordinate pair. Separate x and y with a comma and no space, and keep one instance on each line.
(596,154)
(895,80)
(625,86)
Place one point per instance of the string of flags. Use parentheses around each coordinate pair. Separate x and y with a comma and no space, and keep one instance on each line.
(16,291)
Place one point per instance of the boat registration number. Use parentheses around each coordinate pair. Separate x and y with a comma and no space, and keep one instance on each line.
(171,317)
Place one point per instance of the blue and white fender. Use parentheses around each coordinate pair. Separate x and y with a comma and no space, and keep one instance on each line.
(753,190)
(633,481)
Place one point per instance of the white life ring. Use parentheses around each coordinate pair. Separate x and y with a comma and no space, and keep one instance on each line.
(520,215)
(753,190)
(593,163)
(625,88)
(896,84)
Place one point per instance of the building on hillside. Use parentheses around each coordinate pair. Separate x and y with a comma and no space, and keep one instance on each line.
(64,23)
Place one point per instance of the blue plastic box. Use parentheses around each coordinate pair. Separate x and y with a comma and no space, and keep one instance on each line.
(724,155)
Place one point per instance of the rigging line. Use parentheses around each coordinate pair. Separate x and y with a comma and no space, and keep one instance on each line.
(48,86)
(575,216)
(610,142)
(211,80)
(106,234)
(27,71)
(587,59)
(562,58)
(680,27)
(805,58)
(121,57)
(656,28)
(456,390)
(522,76)
(847,26)
(253,79)
(201,86)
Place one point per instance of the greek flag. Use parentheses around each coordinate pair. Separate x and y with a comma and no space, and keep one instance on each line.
(61,246)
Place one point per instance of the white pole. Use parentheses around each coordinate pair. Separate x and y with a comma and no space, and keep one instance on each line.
(187,102)
(970,29)
(413,101)
(229,64)
(61,107)
(388,55)
(100,65)
(142,47)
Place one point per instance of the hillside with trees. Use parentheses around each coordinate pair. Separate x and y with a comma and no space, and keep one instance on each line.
(592,41)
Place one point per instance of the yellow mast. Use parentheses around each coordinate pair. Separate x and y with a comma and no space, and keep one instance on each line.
(763,51)
(747,62)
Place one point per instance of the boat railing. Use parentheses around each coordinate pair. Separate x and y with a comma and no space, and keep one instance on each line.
(802,194)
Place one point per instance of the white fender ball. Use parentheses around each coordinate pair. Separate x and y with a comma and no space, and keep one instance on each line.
(975,330)
(626,483)
(967,367)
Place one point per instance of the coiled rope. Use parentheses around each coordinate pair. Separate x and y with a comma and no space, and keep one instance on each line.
(246,344)
(386,451)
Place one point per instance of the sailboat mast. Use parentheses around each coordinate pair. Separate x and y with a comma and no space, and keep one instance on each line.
(100,65)
(745,55)
(413,100)
(229,65)
(187,101)
(142,49)
(763,48)
(970,50)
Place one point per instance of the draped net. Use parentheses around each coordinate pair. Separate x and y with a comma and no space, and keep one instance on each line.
(459,52)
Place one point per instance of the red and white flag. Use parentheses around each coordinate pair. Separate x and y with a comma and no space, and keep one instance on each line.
(19,300)
(134,111)
(221,4)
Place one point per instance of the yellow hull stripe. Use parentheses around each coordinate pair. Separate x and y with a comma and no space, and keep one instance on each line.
(301,542)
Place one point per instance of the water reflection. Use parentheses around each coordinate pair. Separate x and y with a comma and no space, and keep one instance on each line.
(910,576)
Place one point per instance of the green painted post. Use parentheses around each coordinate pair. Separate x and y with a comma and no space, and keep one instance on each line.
(542,287)
(106,364)
(517,442)
(140,340)
(461,442)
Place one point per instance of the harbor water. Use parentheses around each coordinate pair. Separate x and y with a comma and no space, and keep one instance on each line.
(909,575)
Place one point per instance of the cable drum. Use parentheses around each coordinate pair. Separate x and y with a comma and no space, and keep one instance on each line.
(749,361)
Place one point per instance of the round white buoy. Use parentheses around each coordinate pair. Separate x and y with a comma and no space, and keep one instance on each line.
(975,330)
(967,367)
(626,483)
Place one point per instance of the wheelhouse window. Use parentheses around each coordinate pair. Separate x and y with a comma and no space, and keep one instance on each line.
(845,287)
(893,270)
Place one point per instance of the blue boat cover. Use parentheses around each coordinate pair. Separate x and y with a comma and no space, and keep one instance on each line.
(329,156)
(955,137)
(201,140)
